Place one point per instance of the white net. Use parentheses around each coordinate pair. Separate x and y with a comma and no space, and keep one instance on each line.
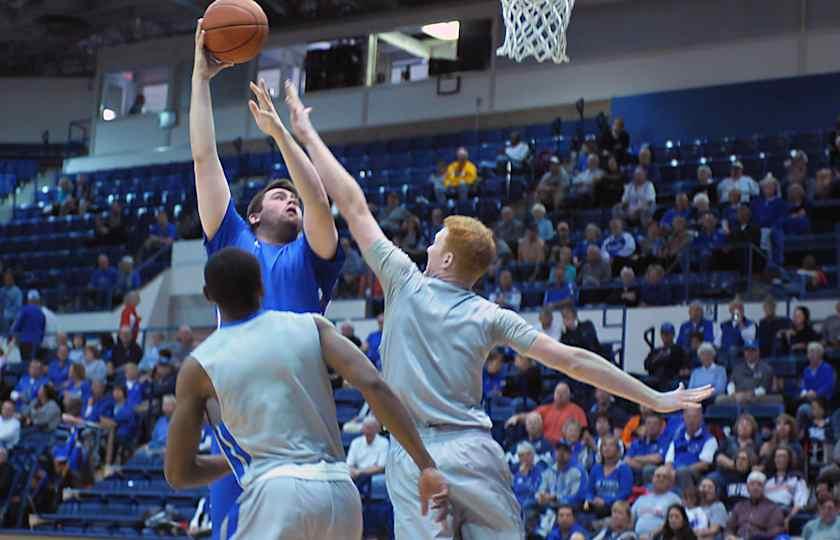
(536,28)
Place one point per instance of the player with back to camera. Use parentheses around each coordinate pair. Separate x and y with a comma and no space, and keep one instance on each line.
(299,270)
(267,370)
(436,337)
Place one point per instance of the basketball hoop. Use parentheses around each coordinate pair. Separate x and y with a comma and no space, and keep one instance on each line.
(536,28)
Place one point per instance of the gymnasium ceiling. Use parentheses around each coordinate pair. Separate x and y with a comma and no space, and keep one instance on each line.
(60,38)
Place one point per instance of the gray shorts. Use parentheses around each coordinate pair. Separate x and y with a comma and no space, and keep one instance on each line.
(288,508)
(483,506)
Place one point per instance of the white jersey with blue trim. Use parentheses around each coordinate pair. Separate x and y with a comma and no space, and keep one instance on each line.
(277,406)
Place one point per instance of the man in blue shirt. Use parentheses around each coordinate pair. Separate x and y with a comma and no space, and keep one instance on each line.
(695,323)
(103,281)
(648,452)
(818,382)
(708,241)
(372,343)
(564,483)
(682,208)
(30,326)
(27,387)
(692,450)
(566,525)
(299,270)
(161,233)
(99,404)
(619,245)
(59,370)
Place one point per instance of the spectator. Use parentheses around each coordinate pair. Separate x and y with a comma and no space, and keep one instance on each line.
(812,274)
(435,225)
(745,438)
(184,344)
(646,163)
(59,369)
(796,338)
(125,424)
(151,354)
(506,294)
(692,450)
(825,526)
(716,513)
(564,483)
(591,237)
(517,152)
(563,266)
(708,243)
(770,326)
(737,180)
(742,234)
(605,404)
(164,377)
(436,179)
(769,210)
(509,228)
(668,364)
(531,250)
(629,293)
(818,379)
(647,451)
(784,486)
(682,208)
(735,479)
(44,413)
(525,381)
(615,141)
(577,333)
(620,524)
(560,292)
(545,229)
(412,241)
(655,291)
(609,481)
(695,323)
(562,238)
(583,185)
(373,341)
(678,526)
(129,316)
(595,271)
(566,527)
(27,387)
(126,349)
(552,186)
(548,324)
(392,216)
(103,281)
(639,199)
(619,245)
(797,220)
(95,368)
(797,172)
(825,187)
(494,375)
(756,517)
(610,188)
(77,352)
(134,387)
(705,185)
(527,478)
(349,331)
(581,445)
(128,279)
(736,331)
(157,443)
(30,326)
(831,329)
(786,433)
(351,271)
(162,234)
(77,384)
(462,174)
(543,449)
(708,372)
(99,404)
(9,426)
(650,510)
(11,300)
(700,203)
(555,414)
(676,243)
(751,380)
(368,452)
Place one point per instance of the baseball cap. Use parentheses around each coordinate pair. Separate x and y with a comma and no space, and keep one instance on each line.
(33,295)
(667,327)
(737,165)
(751,344)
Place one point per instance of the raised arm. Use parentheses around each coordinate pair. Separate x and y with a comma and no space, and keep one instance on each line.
(341,187)
(183,467)
(590,368)
(345,358)
(210,183)
(318,223)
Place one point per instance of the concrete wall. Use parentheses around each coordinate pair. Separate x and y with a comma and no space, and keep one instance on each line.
(30,106)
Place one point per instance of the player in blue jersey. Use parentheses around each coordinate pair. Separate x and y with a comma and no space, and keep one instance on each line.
(299,270)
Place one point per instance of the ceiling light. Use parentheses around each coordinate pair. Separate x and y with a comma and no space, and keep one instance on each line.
(447,31)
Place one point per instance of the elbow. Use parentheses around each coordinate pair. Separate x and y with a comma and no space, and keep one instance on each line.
(174,476)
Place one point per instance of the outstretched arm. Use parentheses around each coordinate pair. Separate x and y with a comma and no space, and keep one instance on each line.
(318,223)
(344,357)
(210,183)
(590,368)
(341,187)
(184,468)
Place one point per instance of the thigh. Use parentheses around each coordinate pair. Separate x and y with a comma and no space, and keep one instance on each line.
(401,477)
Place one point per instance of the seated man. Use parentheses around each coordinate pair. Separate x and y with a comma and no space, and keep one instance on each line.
(692,450)
(757,517)
(368,452)
(650,510)
(542,448)
(564,483)
(28,385)
(157,444)
(461,174)
(555,414)
(695,323)
(506,294)
(668,364)
(825,526)
(124,423)
(566,526)
(9,426)
(647,452)
(751,380)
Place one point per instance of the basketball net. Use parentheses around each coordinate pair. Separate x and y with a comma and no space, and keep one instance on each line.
(536,28)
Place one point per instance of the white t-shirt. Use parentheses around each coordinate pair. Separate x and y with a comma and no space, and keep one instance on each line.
(362,455)
(9,432)
(697,518)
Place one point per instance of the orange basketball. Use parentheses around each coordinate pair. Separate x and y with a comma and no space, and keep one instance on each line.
(236,30)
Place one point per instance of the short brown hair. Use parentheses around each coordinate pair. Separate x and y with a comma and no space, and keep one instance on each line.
(255,206)
(473,246)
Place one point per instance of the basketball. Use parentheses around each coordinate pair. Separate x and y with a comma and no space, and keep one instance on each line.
(236,30)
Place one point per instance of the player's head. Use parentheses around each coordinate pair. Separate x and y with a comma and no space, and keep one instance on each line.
(233,281)
(275,211)
(463,249)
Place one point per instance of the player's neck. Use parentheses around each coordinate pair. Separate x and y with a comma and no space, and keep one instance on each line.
(451,278)
(276,236)
(232,319)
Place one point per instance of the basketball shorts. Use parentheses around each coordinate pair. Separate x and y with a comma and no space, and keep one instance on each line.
(288,508)
(482,504)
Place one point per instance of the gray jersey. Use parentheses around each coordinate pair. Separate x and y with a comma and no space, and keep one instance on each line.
(436,339)
(276,401)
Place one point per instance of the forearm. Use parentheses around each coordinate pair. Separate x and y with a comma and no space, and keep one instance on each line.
(211,186)
(392,413)
(201,471)
(202,126)
(340,186)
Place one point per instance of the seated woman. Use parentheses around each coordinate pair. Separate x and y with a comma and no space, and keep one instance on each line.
(797,220)
(716,513)
(620,524)
(44,412)
(676,525)
(796,338)
(786,433)
(746,436)
(785,486)
(697,518)
(735,480)
(77,384)
(611,480)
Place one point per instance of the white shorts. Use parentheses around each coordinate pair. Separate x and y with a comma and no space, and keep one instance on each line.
(483,506)
(287,508)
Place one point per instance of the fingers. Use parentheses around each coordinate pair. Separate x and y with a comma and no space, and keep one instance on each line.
(269,104)
(198,30)
(424,505)
(255,109)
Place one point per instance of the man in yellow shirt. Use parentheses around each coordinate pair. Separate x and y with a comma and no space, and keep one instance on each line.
(461,173)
